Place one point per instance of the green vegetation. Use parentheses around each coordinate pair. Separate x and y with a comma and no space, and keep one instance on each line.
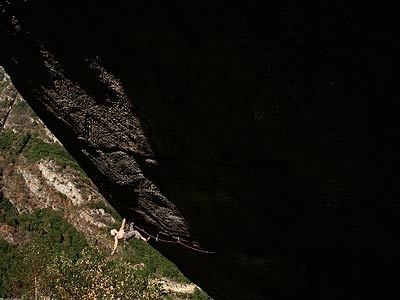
(34,149)
(139,252)
(2,84)
(46,225)
(136,252)
(11,144)
(107,209)
(8,213)
(52,235)
(2,74)
(4,103)
(92,276)
(37,149)
(7,265)
(54,260)
(6,140)
(57,262)
(49,235)
(199,295)
(22,108)
(50,228)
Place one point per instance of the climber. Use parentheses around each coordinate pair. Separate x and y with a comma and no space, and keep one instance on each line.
(121,234)
(132,233)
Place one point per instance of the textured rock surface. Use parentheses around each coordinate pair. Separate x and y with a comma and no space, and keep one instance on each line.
(265,135)
(34,176)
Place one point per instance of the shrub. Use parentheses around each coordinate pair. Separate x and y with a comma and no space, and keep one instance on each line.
(92,276)
(49,227)
(10,141)
(58,263)
(8,213)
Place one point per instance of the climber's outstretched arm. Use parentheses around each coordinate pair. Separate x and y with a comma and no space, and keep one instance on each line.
(122,225)
(115,244)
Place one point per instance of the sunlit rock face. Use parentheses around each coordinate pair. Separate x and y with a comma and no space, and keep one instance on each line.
(267,136)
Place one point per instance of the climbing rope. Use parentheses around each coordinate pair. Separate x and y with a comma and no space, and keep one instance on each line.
(172,240)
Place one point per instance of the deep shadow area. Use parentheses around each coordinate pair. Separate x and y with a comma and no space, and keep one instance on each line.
(271,132)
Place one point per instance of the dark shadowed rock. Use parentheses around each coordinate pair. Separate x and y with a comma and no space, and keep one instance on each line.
(265,135)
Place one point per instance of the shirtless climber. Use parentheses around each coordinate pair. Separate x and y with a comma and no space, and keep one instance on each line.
(121,234)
